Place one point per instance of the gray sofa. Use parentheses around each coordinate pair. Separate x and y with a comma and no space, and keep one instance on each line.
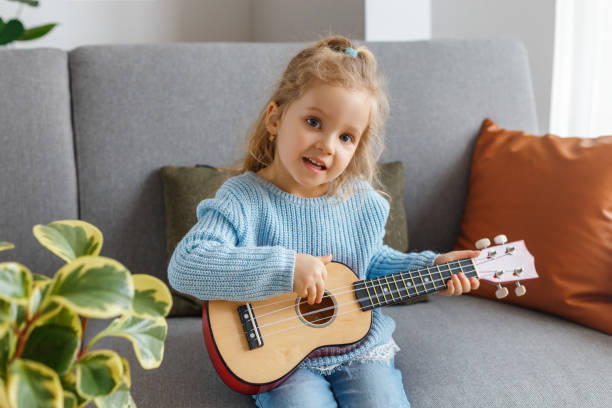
(84,133)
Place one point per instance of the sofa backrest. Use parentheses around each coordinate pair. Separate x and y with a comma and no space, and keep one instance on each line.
(37,163)
(137,108)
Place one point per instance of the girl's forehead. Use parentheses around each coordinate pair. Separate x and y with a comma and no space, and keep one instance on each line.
(338,101)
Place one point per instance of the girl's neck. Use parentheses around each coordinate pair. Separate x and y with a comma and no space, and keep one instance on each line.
(273,177)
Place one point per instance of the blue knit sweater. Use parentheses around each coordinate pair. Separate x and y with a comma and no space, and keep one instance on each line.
(244,243)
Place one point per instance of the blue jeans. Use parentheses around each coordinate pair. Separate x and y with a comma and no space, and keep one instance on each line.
(361,384)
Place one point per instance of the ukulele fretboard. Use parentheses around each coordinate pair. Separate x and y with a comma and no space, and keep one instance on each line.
(389,289)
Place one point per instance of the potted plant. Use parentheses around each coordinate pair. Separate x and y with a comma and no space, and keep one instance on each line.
(13,30)
(43,359)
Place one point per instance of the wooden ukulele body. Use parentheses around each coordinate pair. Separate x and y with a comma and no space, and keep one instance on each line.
(291,330)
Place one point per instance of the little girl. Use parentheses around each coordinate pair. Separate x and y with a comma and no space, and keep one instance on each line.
(303,198)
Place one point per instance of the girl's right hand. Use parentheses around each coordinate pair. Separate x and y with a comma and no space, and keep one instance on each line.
(310,276)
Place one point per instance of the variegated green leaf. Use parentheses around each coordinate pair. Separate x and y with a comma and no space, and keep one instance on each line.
(70,400)
(127,373)
(54,346)
(45,310)
(34,302)
(15,282)
(69,239)
(18,314)
(32,384)
(93,286)
(4,328)
(146,335)
(120,398)
(63,317)
(39,279)
(152,297)
(4,402)
(68,381)
(18,318)
(55,338)
(6,245)
(5,342)
(98,373)
(5,311)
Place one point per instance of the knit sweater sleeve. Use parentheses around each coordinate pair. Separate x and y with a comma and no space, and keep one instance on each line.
(214,261)
(386,260)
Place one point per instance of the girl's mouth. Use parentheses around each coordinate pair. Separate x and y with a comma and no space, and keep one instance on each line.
(316,167)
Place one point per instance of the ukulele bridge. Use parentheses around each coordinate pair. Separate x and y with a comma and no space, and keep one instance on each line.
(249,324)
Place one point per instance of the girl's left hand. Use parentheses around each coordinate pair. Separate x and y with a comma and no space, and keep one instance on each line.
(458,283)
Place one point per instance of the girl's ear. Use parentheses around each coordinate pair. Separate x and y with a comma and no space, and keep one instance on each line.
(272,118)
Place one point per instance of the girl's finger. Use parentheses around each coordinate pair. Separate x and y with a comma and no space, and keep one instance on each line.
(449,289)
(465,283)
(457,285)
(468,253)
(320,291)
(312,294)
(475,283)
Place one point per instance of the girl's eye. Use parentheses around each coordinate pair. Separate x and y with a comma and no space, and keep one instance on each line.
(313,122)
(346,138)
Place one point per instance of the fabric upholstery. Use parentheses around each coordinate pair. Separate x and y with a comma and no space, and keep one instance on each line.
(37,166)
(138,107)
(455,352)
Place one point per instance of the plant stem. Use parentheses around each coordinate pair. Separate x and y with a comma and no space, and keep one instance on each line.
(23,335)
(84,322)
(91,343)
(83,327)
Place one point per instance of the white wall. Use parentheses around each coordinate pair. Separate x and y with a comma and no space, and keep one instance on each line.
(531,21)
(397,20)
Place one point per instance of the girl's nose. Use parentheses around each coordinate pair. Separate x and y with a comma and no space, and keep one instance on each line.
(326,143)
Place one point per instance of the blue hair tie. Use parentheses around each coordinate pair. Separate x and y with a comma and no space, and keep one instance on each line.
(350,51)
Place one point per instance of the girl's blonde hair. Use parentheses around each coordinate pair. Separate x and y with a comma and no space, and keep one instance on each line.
(325,61)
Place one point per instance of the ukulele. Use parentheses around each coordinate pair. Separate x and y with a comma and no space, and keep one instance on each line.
(255,346)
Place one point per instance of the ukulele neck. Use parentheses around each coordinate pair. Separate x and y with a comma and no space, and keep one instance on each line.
(397,287)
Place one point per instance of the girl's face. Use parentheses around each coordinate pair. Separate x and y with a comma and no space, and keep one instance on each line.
(316,138)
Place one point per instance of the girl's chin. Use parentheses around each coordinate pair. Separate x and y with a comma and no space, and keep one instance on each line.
(309,188)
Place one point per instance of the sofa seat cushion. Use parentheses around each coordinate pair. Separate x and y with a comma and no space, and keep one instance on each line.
(455,352)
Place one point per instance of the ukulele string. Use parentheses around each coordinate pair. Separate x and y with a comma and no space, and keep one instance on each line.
(380,303)
(416,285)
(261,306)
(275,322)
(327,317)
(392,291)
(398,291)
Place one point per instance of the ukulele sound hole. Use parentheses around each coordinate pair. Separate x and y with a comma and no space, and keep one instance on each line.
(317,314)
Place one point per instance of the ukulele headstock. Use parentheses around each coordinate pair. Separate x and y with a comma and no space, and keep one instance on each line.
(504,263)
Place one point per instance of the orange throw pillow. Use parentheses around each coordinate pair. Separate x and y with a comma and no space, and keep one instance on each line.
(556,194)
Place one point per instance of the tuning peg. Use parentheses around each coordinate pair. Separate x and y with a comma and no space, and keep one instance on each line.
(501,239)
(501,292)
(520,290)
(483,243)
